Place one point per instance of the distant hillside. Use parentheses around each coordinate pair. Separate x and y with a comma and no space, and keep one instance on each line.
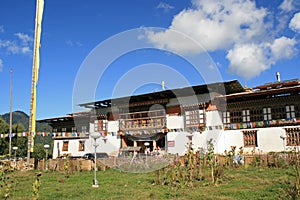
(19,117)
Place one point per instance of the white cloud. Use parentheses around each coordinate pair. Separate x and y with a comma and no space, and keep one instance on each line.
(287,5)
(73,43)
(4,43)
(1,65)
(283,48)
(249,60)
(166,7)
(238,27)
(25,39)
(214,24)
(20,46)
(295,23)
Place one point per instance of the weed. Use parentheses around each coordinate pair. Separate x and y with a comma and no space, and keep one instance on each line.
(7,181)
(36,186)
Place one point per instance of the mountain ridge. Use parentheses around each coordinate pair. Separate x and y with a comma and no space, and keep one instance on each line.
(20,117)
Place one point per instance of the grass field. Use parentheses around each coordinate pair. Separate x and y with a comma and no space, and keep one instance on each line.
(237,183)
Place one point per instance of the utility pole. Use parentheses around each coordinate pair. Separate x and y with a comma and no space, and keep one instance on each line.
(10,109)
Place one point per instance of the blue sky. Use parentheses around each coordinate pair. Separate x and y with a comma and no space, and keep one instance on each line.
(247,40)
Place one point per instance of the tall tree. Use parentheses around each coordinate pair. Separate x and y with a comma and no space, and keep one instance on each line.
(18,128)
(4,127)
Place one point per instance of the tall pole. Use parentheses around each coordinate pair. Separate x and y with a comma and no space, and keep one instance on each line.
(35,71)
(10,115)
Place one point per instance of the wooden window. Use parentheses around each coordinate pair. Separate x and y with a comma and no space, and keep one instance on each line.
(267,113)
(226,117)
(290,111)
(235,117)
(144,120)
(250,138)
(81,146)
(246,115)
(83,129)
(279,113)
(100,125)
(292,136)
(194,117)
(65,146)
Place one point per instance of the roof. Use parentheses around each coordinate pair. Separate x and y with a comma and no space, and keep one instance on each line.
(230,87)
(56,119)
(278,84)
(282,88)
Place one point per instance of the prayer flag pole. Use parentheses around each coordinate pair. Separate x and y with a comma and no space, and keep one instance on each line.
(35,71)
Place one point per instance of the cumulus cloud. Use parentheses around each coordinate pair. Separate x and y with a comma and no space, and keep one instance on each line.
(24,38)
(245,57)
(239,27)
(286,5)
(21,45)
(214,24)
(295,23)
(249,60)
(1,65)
(166,7)
(283,48)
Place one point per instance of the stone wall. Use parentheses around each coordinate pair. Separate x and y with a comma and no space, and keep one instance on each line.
(70,165)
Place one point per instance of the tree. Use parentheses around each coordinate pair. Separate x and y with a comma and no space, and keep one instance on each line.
(18,128)
(39,153)
(3,146)
(4,127)
(21,143)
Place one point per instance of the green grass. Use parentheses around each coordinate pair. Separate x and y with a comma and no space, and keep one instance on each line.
(238,183)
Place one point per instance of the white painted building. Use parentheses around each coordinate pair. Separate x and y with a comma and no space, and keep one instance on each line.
(263,119)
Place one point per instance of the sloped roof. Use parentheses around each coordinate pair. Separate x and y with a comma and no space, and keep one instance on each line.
(230,87)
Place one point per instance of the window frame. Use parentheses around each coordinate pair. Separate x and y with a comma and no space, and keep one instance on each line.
(250,138)
(65,146)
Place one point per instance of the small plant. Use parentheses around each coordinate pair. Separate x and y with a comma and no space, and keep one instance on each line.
(66,168)
(297,174)
(229,156)
(6,182)
(36,186)
(211,159)
(256,161)
(190,162)
(200,156)
(292,190)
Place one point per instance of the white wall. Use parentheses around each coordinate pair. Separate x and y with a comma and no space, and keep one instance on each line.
(72,148)
(180,142)
(268,140)
(213,118)
(113,126)
(233,138)
(175,122)
(111,146)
